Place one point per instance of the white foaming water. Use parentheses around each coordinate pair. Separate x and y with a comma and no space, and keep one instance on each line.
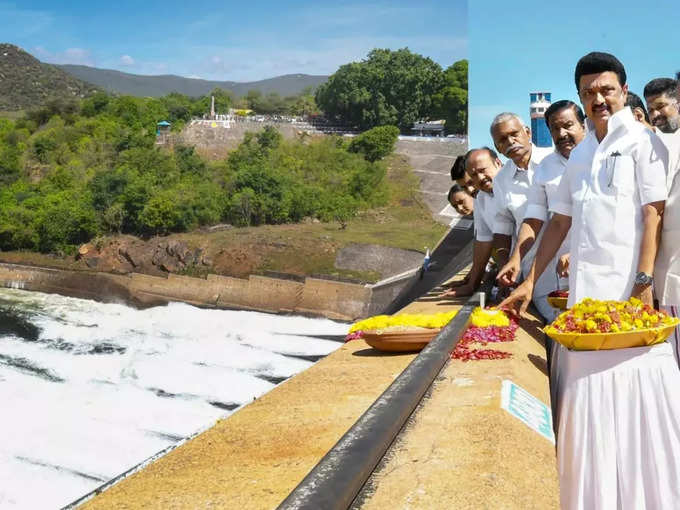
(89,390)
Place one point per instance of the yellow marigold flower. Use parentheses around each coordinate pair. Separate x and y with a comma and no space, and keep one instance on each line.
(591,325)
(485,318)
(380,322)
(638,323)
(615,328)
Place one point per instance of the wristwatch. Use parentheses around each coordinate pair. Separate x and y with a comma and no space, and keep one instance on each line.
(643,279)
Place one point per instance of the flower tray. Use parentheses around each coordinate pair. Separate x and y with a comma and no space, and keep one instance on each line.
(558,302)
(607,341)
(400,341)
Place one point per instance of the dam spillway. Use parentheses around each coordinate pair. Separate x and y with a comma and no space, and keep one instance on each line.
(92,389)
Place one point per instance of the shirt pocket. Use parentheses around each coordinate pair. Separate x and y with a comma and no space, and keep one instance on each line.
(621,169)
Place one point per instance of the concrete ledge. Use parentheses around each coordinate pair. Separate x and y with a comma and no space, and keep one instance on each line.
(329,298)
(334,298)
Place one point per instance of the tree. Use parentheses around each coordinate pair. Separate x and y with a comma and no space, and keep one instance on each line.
(451,102)
(389,87)
(375,143)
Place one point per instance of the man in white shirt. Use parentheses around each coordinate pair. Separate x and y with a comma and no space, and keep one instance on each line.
(667,267)
(511,193)
(482,166)
(613,192)
(566,122)
(610,403)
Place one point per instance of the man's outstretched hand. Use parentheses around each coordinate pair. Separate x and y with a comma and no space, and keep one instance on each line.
(509,273)
(519,299)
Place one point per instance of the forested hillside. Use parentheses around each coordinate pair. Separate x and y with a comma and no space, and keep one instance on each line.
(75,170)
(25,82)
(157,86)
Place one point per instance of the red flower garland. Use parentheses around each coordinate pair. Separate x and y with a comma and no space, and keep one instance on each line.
(476,335)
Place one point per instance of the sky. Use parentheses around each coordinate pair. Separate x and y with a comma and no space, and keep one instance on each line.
(528,46)
(226,40)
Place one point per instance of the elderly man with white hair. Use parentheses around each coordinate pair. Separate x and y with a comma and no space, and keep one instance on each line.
(512,190)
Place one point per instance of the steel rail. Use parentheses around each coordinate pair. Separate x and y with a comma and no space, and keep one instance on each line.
(339,476)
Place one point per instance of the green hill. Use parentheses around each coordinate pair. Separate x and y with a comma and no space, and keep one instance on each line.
(26,82)
(157,86)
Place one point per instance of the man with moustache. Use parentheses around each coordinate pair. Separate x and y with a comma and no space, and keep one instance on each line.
(512,187)
(662,104)
(482,165)
(618,442)
(567,127)
(566,123)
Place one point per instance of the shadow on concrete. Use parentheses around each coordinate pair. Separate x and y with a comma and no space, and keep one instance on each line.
(373,353)
(534,327)
(450,257)
(539,363)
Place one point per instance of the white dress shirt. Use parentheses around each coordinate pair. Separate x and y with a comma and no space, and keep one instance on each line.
(672,143)
(667,270)
(542,194)
(603,189)
(512,188)
(484,214)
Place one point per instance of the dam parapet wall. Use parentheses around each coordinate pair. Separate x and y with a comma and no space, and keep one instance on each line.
(313,296)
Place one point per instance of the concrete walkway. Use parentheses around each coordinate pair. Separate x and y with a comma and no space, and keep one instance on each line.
(431,162)
(459,451)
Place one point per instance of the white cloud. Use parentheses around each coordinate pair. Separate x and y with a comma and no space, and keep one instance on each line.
(127,60)
(79,56)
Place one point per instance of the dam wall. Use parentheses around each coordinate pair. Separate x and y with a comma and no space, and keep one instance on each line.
(313,296)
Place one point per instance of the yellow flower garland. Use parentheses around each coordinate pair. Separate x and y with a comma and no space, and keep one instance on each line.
(484,318)
(419,320)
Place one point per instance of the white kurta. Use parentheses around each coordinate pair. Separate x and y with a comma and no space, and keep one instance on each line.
(603,189)
(512,188)
(543,193)
(667,270)
(618,415)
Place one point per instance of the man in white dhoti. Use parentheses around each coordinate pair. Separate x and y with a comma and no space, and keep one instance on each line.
(618,416)
(481,166)
(511,193)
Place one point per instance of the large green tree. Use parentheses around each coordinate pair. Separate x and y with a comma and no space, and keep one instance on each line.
(388,87)
(451,102)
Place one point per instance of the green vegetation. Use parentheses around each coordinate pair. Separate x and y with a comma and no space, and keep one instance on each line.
(26,82)
(397,88)
(73,170)
(375,143)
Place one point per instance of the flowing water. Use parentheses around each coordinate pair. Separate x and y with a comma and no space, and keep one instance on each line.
(89,390)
